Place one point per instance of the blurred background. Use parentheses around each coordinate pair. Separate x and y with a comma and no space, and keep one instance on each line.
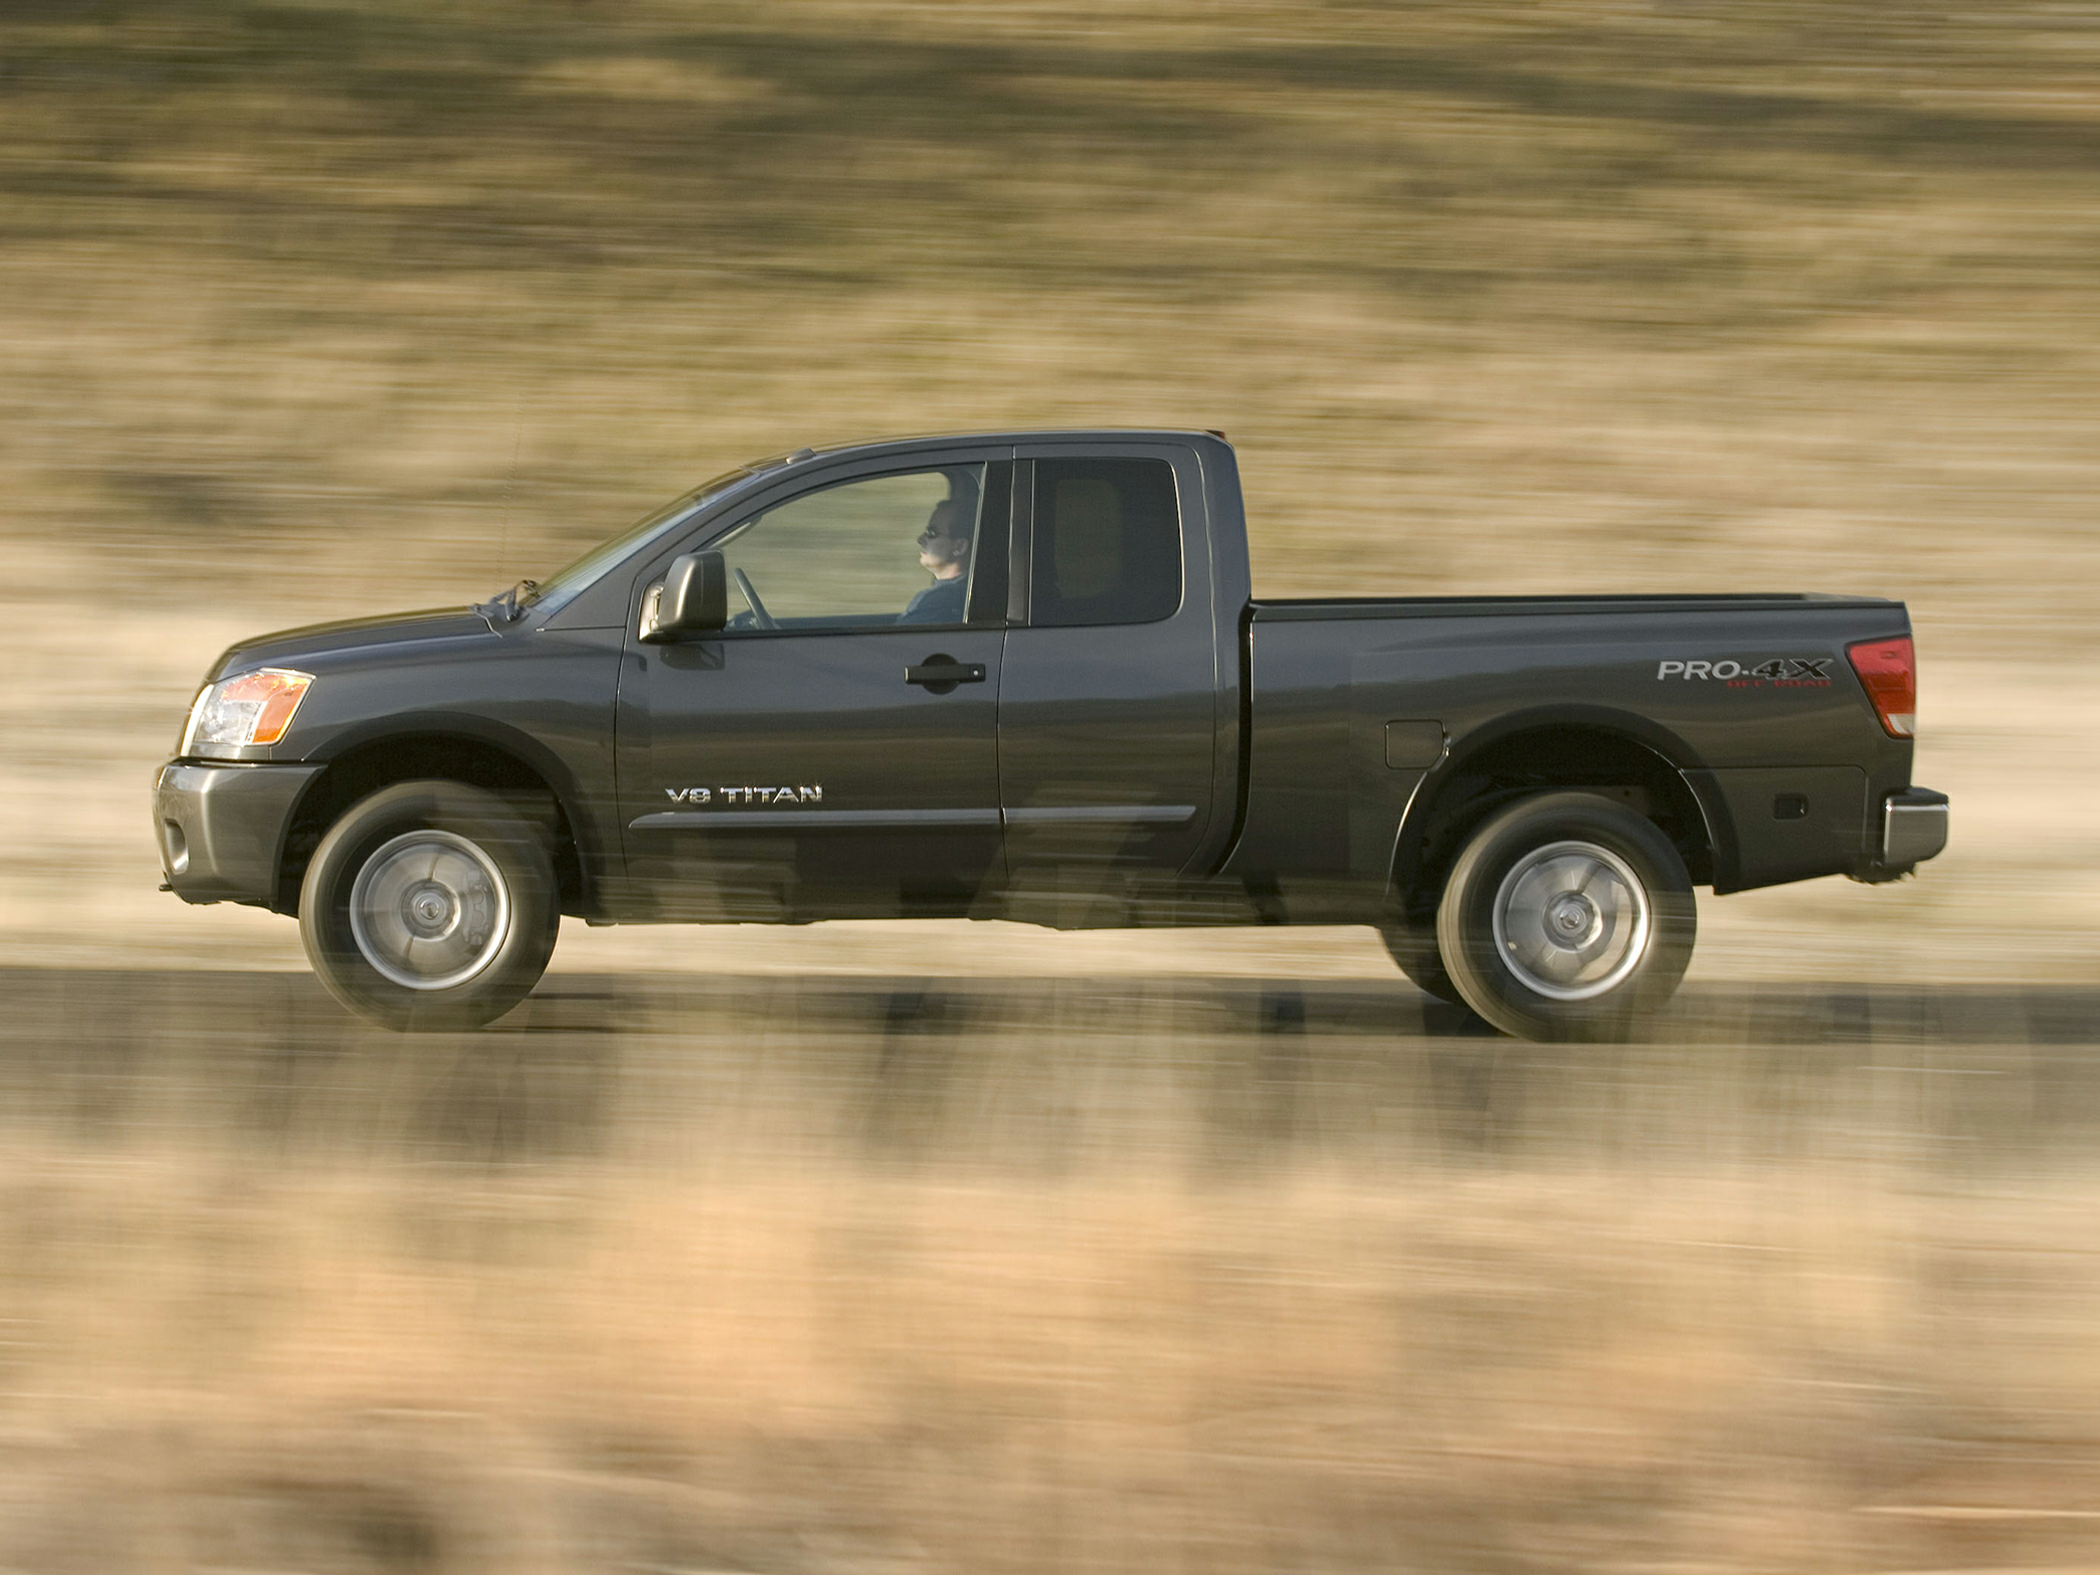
(948,1247)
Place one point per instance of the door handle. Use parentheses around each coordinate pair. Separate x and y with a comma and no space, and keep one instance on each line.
(940,673)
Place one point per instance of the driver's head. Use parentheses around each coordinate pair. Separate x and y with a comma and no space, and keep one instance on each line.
(944,545)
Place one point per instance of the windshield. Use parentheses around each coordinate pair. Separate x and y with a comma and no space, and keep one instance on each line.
(565,584)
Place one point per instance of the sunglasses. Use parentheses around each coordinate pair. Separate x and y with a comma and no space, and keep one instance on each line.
(934,533)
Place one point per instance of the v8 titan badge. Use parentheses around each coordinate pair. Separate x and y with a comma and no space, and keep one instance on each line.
(746,795)
(1779,672)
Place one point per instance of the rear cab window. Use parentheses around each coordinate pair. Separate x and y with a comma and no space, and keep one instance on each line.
(1107,542)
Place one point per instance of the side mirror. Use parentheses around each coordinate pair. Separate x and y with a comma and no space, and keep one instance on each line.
(693,600)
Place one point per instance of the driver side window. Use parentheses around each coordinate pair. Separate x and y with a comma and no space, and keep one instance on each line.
(876,552)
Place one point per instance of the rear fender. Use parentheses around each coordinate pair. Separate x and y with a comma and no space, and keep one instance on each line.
(1541,748)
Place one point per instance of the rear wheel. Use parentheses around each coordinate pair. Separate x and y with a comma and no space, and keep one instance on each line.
(1567,917)
(430,905)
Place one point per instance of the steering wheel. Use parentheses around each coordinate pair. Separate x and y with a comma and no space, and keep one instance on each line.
(759,615)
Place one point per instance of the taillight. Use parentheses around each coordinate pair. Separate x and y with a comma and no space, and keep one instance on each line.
(1888,671)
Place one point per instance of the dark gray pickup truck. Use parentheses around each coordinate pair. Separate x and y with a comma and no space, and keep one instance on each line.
(1023,676)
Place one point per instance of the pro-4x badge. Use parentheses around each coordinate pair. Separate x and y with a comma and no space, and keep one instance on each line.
(1811,672)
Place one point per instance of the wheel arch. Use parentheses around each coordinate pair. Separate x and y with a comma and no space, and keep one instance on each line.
(438,749)
(1624,755)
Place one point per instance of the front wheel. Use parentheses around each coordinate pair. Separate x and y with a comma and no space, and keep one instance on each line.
(430,905)
(1567,917)
(1412,944)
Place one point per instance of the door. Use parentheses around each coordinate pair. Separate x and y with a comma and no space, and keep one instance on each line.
(1107,718)
(832,753)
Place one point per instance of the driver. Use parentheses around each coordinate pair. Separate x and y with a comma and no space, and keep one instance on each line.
(944,552)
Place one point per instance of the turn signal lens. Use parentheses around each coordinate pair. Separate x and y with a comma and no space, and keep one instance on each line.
(250,708)
(1888,671)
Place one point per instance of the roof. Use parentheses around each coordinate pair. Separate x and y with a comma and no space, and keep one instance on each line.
(1024,435)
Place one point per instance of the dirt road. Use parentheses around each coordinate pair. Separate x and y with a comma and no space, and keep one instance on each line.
(1175,1077)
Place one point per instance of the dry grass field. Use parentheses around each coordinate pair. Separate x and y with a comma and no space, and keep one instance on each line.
(357,302)
(847,1373)
(313,307)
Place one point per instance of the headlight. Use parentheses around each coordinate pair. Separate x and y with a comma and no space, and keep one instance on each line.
(249,708)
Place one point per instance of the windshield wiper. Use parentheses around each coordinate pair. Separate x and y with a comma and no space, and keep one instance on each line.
(510,605)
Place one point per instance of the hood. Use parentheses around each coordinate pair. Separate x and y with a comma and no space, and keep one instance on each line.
(317,642)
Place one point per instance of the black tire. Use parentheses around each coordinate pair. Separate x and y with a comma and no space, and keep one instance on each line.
(430,906)
(1567,917)
(1412,944)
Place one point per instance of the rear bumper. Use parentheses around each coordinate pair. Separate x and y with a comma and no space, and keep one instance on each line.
(1913,826)
(220,828)
(1913,829)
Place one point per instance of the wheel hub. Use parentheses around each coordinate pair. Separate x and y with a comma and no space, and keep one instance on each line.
(1572,920)
(429,910)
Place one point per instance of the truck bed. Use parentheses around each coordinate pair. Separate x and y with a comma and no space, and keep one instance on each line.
(1363,712)
(1296,609)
